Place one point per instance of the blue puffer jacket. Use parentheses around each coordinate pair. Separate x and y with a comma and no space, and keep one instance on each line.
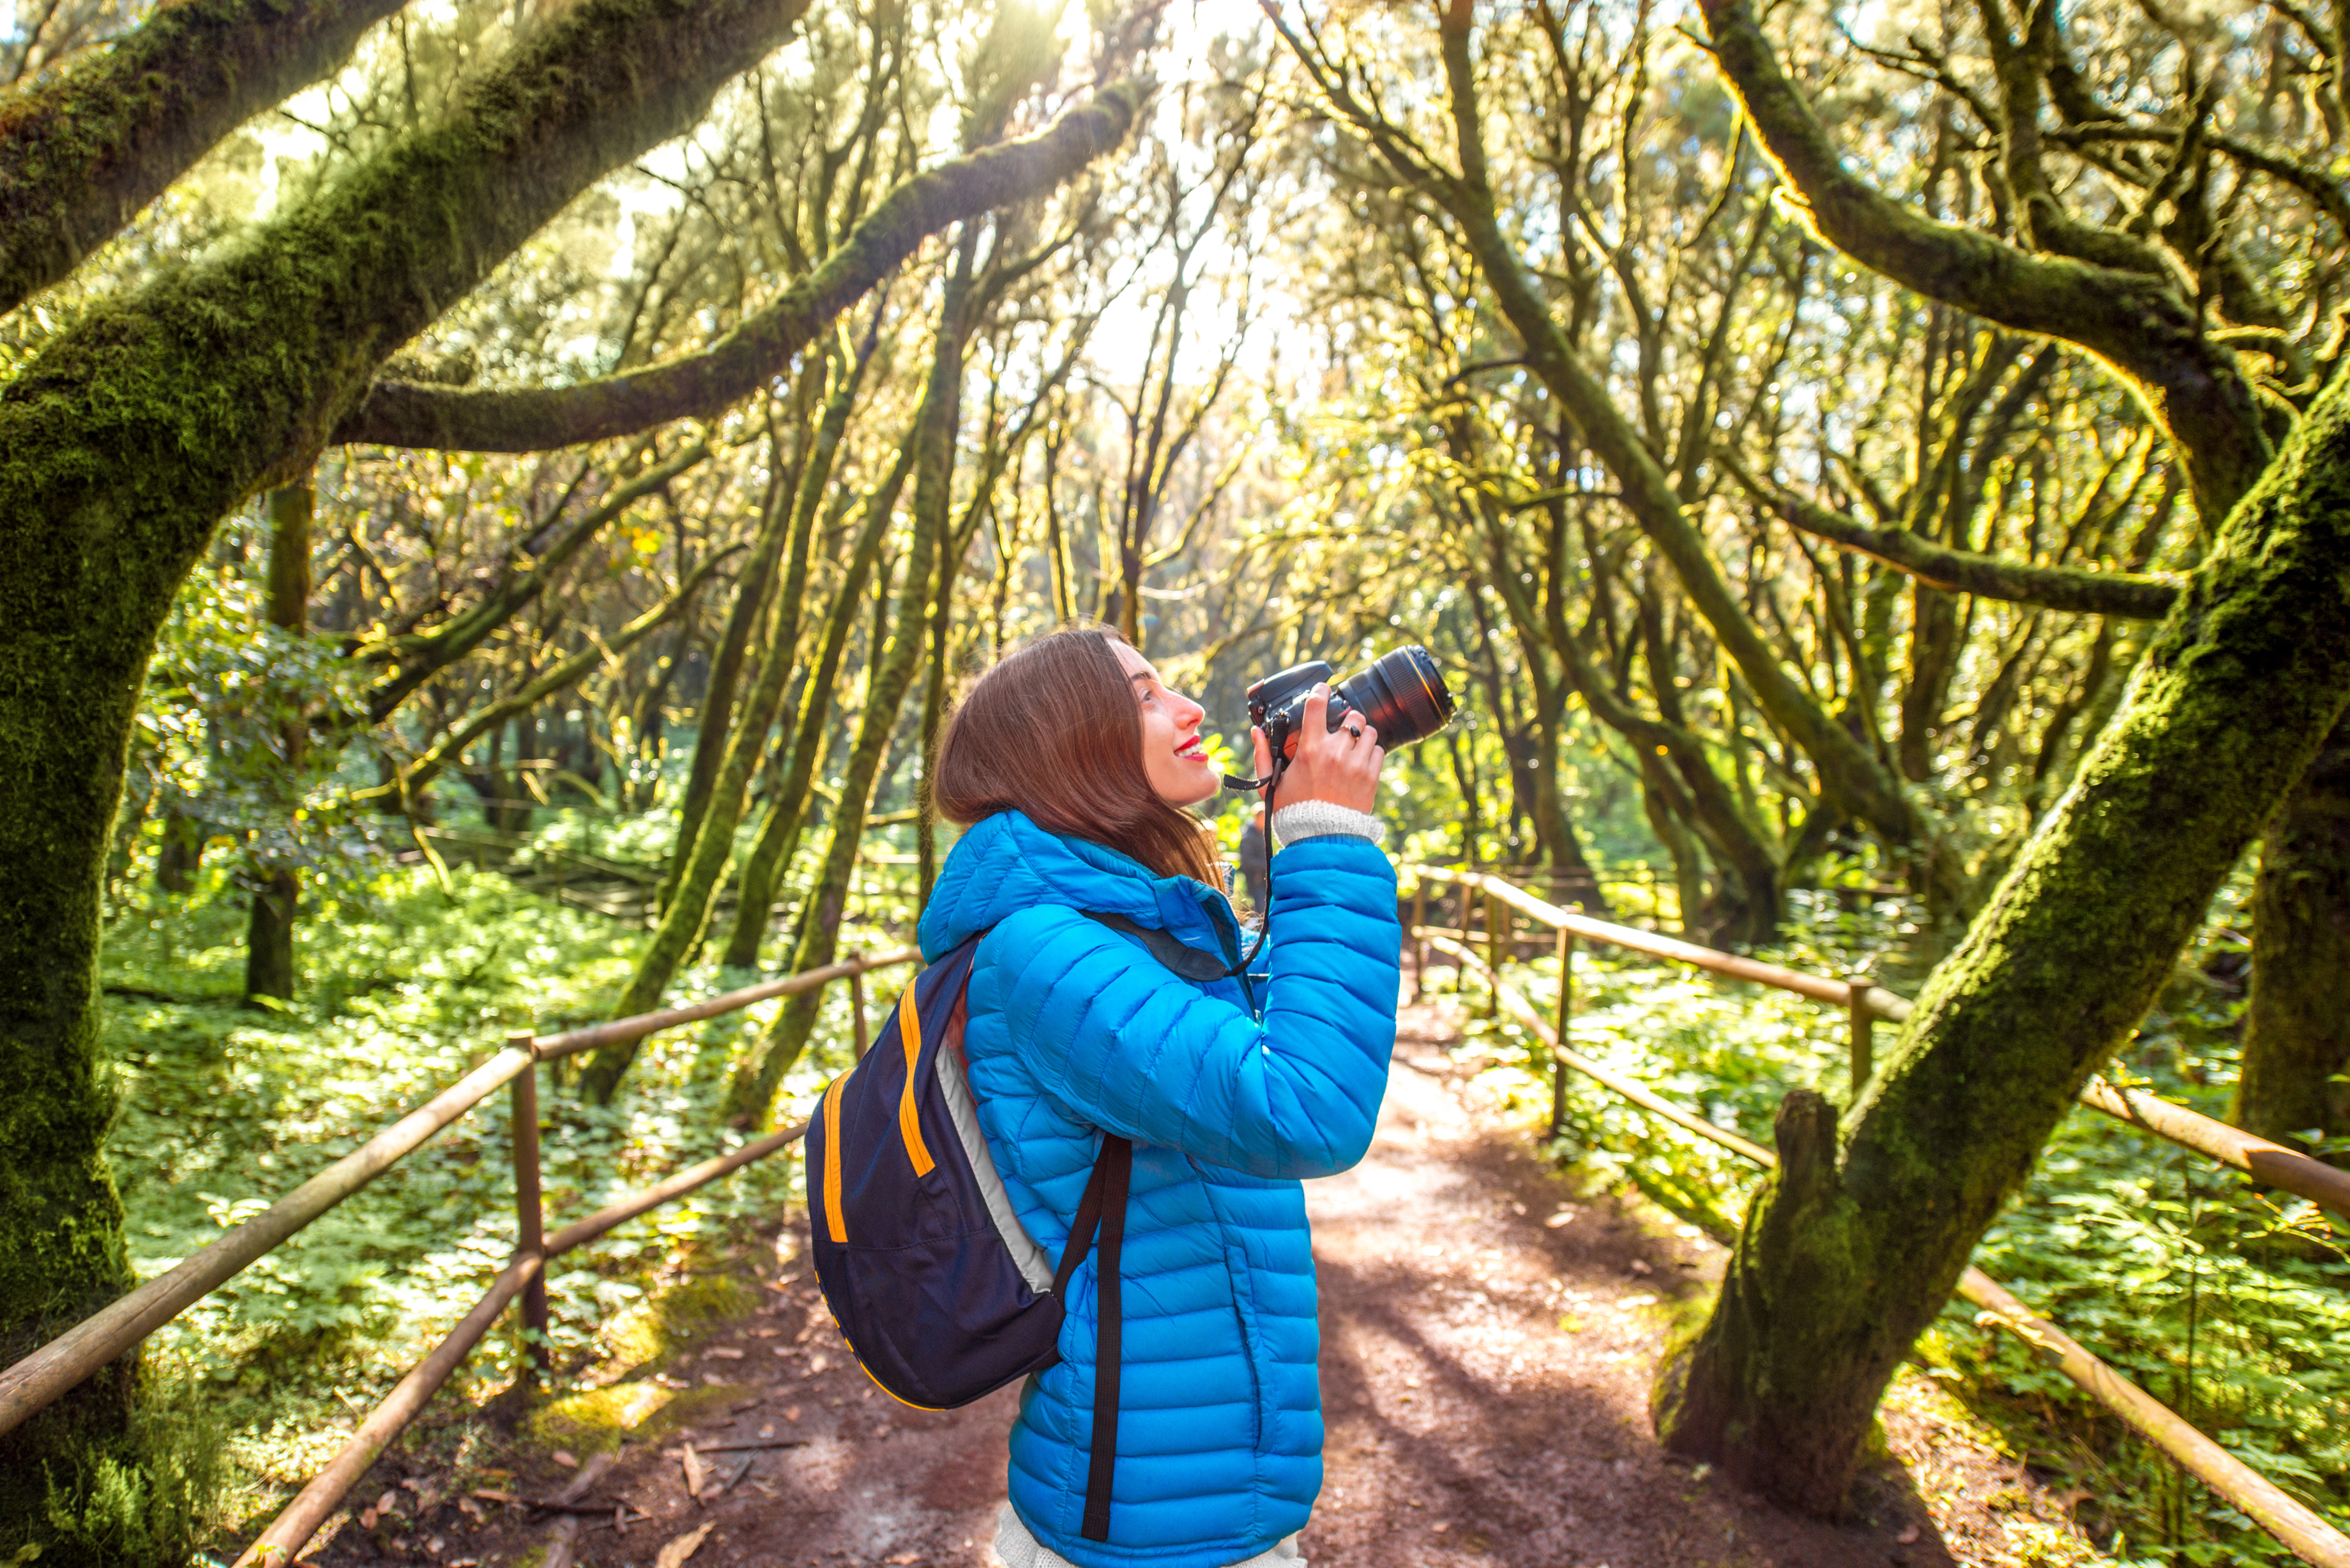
(1073,1028)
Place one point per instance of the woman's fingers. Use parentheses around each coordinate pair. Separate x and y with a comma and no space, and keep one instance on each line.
(1340,765)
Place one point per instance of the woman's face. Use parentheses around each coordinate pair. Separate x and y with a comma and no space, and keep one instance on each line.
(1173,757)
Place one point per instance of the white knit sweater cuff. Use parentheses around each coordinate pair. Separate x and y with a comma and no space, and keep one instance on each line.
(1316,818)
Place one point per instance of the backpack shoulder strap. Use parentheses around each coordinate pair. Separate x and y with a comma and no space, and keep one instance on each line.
(1168,949)
(1103,1208)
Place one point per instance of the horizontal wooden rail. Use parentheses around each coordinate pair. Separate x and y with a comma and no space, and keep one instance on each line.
(1632,1089)
(2271,1164)
(291,1531)
(580,1231)
(65,1362)
(2298,1527)
(571,1042)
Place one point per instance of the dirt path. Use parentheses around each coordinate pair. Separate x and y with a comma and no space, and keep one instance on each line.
(1487,1343)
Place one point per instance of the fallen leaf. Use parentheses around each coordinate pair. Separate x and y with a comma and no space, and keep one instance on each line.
(1570,1324)
(768,1430)
(726,1353)
(492,1494)
(1562,1217)
(1440,1526)
(1908,1537)
(684,1546)
(1640,1268)
(693,1473)
(784,1349)
(564,1459)
(716,1379)
(666,1381)
(471,1509)
(792,1414)
(817,1362)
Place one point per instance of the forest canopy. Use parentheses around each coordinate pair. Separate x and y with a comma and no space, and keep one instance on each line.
(1884,458)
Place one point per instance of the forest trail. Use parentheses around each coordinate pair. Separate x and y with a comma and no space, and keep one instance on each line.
(1488,1339)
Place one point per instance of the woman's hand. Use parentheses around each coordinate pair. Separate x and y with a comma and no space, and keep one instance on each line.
(1340,765)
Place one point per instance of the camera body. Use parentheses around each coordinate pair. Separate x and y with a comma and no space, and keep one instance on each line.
(1401,694)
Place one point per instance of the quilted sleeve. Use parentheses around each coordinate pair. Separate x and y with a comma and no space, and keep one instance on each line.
(1133,1048)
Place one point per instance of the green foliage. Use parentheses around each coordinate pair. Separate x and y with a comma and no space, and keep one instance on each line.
(2228,1301)
(147,1500)
(404,988)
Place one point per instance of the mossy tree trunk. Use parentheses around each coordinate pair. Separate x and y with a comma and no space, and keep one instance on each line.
(779,832)
(122,444)
(2297,1026)
(749,610)
(276,897)
(754,1089)
(1853,1246)
(705,859)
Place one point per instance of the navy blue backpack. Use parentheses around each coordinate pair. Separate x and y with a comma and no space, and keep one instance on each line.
(941,1294)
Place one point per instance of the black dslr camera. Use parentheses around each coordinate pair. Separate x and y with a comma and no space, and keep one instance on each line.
(1400,694)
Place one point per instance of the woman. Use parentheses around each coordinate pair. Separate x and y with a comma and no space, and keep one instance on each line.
(1071,765)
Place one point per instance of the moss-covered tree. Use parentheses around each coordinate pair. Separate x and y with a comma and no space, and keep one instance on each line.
(1852,1247)
(122,444)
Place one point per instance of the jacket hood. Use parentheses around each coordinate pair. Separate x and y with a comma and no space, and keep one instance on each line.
(1007,864)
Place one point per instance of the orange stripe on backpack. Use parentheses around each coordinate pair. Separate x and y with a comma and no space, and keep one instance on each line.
(909,1123)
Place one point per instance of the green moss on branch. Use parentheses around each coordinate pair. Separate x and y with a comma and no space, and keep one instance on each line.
(415,414)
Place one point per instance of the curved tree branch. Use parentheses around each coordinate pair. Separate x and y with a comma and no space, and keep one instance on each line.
(2129,595)
(428,764)
(81,153)
(2136,322)
(418,656)
(416,414)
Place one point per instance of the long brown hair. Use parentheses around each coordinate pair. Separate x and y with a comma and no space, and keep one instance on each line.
(1053,731)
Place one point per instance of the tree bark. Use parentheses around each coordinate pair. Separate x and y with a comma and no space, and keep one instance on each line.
(2297,1024)
(754,1089)
(269,923)
(687,916)
(1851,1247)
(779,834)
(717,717)
(83,151)
(122,444)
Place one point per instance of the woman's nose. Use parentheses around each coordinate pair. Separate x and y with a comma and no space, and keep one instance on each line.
(1190,713)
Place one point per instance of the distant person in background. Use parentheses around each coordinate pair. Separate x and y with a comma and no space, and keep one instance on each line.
(1253,858)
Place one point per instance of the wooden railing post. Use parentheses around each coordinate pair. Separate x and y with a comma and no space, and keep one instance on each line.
(1565,1014)
(1419,940)
(530,1212)
(857,1010)
(1863,1025)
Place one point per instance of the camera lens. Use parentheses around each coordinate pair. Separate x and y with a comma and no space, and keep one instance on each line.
(1400,694)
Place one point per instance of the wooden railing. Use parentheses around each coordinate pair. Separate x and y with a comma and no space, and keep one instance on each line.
(62,1364)
(2308,1535)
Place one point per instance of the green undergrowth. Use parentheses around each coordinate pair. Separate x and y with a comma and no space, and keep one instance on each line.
(2229,1303)
(405,987)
